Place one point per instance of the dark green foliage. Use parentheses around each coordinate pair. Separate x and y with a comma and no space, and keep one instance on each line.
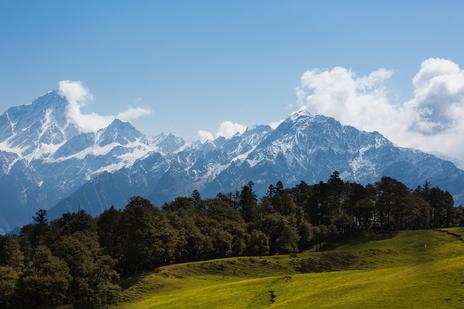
(147,239)
(259,243)
(76,260)
(196,199)
(288,239)
(40,217)
(45,281)
(8,280)
(306,234)
(93,278)
(108,233)
(10,253)
(248,203)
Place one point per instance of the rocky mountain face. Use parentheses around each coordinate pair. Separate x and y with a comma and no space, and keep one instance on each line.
(47,161)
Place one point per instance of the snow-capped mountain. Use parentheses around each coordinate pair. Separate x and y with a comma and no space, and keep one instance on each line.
(304,147)
(36,130)
(47,161)
(163,176)
(44,155)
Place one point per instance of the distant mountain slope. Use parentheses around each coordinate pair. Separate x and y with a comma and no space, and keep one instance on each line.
(304,147)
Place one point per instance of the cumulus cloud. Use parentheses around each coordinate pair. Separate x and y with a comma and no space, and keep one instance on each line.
(133,113)
(431,120)
(78,96)
(205,135)
(358,101)
(75,92)
(439,96)
(226,129)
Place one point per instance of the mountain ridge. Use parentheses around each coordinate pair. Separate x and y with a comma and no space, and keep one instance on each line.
(47,162)
(304,147)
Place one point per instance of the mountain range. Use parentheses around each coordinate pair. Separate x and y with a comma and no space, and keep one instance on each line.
(47,161)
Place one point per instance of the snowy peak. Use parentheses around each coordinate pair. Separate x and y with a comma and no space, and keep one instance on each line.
(168,143)
(301,113)
(310,130)
(36,130)
(43,131)
(303,136)
(119,132)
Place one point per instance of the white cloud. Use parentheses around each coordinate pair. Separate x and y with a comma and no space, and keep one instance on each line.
(226,129)
(439,96)
(205,135)
(133,113)
(75,92)
(358,101)
(78,96)
(375,79)
(438,108)
(430,121)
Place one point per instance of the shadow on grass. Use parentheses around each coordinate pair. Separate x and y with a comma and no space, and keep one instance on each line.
(359,238)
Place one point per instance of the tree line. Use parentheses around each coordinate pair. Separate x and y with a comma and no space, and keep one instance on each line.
(78,261)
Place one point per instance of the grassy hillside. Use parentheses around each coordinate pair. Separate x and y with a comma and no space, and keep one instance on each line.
(412,269)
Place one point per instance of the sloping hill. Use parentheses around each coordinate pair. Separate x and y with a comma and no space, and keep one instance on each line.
(413,269)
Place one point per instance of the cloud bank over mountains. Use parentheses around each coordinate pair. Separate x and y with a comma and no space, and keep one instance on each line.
(432,120)
(78,96)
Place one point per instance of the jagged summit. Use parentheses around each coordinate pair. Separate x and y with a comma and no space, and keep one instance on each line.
(302,112)
(36,130)
(118,132)
(167,143)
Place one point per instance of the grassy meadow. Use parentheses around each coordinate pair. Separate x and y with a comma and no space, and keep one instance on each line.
(410,269)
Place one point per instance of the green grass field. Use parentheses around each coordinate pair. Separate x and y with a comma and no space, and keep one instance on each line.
(412,269)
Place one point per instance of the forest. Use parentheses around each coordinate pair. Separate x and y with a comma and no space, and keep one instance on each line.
(78,261)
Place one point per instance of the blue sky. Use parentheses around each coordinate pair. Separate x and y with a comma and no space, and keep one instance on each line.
(198,63)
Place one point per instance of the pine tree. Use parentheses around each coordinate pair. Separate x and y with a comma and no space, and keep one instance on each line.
(248,203)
